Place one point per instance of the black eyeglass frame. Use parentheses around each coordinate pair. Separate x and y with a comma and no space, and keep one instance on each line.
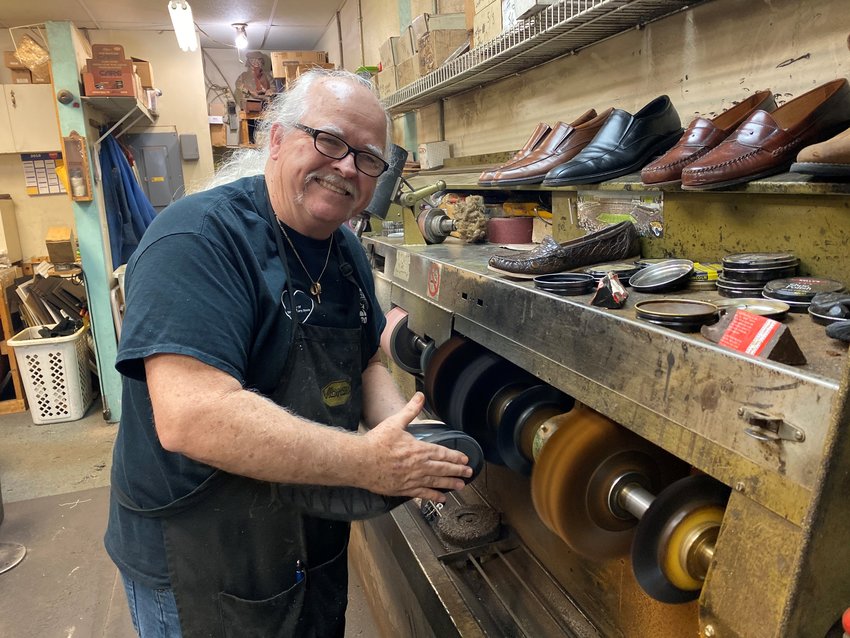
(315,132)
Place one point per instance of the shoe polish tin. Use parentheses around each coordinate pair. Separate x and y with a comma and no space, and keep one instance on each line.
(566,283)
(830,307)
(759,267)
(769,308)
(684,315)
(623,269)
(727,288)
(798,292)
(665,276)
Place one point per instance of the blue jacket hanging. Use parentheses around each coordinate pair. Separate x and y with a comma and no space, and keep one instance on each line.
(128,210)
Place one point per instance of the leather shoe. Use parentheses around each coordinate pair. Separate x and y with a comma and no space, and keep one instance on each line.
(766,143)
(609,244)
(700,137)
(563,143)
(540,133)
(623,145)
(827,159)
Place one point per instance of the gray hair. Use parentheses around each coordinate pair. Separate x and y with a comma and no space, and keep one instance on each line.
(286,109)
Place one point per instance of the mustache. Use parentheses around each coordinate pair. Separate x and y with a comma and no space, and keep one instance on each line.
(334,180)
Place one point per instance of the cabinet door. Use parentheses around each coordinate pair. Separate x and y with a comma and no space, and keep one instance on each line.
(7,142)
(32,117)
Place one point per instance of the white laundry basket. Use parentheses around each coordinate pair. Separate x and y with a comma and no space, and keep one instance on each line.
(55,374)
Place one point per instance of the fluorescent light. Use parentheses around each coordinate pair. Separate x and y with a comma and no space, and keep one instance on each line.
(241,40)
(184,24)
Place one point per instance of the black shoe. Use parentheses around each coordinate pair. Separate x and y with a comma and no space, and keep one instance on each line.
(623,145)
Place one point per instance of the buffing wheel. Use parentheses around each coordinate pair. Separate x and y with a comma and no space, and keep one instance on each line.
(444,369)
(572,477)
(400,343)
(469,525)
(520,419)
(685,514)
(471,396)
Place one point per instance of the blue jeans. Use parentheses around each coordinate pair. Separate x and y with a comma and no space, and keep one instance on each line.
(154,611)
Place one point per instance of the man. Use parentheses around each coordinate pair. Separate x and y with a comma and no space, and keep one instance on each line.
(251,327)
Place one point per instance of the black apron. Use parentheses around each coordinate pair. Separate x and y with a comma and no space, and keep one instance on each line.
(243,561)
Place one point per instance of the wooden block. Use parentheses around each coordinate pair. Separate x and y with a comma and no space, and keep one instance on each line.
(756,336)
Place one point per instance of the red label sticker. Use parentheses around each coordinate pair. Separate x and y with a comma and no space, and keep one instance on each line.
(434,281)
(749,333)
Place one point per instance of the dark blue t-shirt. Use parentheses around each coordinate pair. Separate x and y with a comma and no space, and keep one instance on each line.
(206,281)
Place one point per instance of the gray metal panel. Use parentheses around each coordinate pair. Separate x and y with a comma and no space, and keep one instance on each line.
(162,181)
(156,175)
(189,147)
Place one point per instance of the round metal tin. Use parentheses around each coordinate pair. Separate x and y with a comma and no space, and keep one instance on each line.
(769,308)
(728,288)
(799,289)
(694,284)
(830,307)
(621,268)
(668,275)
(685,315)
(759,261)
(760,274)
(566,283)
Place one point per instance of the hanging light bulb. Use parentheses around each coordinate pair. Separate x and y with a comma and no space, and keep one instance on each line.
(241,40)
(184,24)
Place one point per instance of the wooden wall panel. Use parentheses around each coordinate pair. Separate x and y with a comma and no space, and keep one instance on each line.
(705,58)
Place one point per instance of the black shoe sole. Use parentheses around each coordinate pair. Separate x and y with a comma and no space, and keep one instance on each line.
(821,170)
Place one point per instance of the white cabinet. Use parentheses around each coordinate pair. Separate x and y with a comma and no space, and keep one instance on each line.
(28,119)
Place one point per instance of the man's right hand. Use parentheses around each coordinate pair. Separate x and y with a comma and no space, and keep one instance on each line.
(401,465)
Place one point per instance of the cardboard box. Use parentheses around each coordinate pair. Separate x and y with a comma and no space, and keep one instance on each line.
(218,134)
(281,58)
(41,74)
(11,60)
(487,23)
(21,76)
(108,53)
(121,85)
(450,6)
(145,72)
(436,46)
(421,24)
(406,46)
(432,154)
(386,81)
(407,72)
(391,52)
(526,8)
(303,68)
(60,245)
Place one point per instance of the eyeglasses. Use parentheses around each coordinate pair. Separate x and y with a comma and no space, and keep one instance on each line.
(335,147)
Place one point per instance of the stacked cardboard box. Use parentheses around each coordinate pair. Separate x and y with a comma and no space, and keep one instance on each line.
(110,73)
(492,17)
(288,65)
(23,75)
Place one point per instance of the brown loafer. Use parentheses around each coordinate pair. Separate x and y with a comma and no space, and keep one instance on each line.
(609,244)
(700,137)
(540,133)
(766,143)
(827,159)
(564,142)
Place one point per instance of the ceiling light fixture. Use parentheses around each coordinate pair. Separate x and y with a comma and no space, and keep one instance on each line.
(241,40)
(184,24)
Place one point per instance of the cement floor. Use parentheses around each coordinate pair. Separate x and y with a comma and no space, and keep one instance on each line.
(54,480)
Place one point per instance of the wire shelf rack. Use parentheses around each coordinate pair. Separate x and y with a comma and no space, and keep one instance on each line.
(563,28)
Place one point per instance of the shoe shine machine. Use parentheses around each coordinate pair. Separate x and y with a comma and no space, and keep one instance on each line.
(639,482)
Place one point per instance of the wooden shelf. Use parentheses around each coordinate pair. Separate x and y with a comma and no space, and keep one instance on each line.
(18,403)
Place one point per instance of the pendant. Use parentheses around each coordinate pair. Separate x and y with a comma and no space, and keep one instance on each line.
(316,291)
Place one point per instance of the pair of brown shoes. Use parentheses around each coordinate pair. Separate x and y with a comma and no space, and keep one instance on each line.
(751,140)
(546,149)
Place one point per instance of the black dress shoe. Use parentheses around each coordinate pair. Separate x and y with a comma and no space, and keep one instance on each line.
(609,244)
(623,145)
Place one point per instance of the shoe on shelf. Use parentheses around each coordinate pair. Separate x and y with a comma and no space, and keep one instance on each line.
(537,137)
(609,244)
(826,159)
(767,143)
(564,142)
(624,144)
(700,137)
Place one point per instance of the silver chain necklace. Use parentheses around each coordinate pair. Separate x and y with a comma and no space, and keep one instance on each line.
(315,284)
